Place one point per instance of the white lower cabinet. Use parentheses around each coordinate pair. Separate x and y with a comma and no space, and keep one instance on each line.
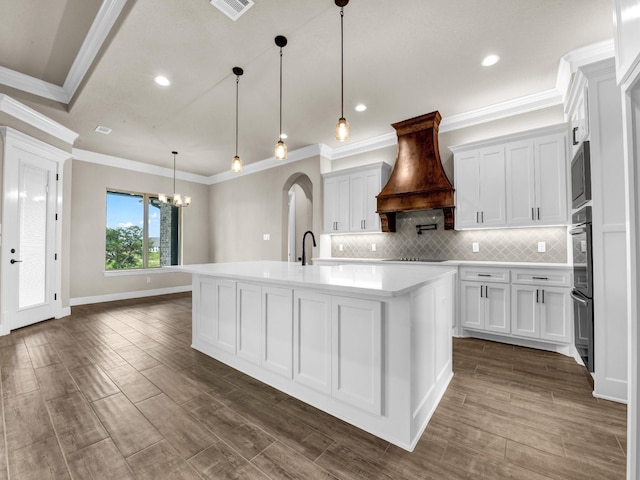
(277,330)
(535,303)
(249,322)
(312,340)
(541,312)
(215,318)
(356,366)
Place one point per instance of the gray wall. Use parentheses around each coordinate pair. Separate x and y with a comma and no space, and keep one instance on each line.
(87,229)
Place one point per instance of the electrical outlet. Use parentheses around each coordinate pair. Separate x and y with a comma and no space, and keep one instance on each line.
(340,247)
(266,236)
(373,247)
(475,246)
(148,279)
(542,247)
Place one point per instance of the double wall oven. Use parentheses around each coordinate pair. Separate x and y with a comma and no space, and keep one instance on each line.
(582,293)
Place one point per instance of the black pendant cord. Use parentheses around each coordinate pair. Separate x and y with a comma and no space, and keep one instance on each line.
(174,172)
(237,87)
(341,62)
(280,132)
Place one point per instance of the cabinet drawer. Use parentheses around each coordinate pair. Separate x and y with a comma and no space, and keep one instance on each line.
(498,275)
(556,278)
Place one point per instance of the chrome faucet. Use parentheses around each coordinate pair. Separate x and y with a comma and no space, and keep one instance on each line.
(304,260)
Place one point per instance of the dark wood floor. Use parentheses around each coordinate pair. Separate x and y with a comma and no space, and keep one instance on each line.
(115,391)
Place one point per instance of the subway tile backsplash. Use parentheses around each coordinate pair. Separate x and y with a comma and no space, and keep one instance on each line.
(502,245)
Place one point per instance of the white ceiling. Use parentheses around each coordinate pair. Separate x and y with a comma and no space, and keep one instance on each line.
(403,58)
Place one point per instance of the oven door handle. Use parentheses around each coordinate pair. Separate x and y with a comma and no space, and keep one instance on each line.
(578,230)
(578,297)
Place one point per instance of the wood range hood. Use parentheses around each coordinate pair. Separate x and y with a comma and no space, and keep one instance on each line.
(417,181)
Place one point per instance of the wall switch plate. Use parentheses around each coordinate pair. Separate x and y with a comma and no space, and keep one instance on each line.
(542,247)
(340,247)
(148,279)
(266,236)
(475,246)
(373,247)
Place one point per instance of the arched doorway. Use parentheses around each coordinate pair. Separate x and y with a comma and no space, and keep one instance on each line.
(297,196)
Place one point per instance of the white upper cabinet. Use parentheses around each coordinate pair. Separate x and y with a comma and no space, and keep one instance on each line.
(350,199)
(537,181)
(627,37)
(479,180)
(515,180)
(336,205)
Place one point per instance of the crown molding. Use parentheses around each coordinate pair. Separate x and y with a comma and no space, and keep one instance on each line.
(28,115)
(103,23)
(364,146)
(293,156)
(579,57)
(105,19)
(141,167)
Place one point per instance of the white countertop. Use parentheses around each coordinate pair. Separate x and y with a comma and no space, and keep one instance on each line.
(451,263)
(380,280)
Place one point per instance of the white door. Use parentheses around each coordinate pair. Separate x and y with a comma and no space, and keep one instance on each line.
(29,235)
(497,308)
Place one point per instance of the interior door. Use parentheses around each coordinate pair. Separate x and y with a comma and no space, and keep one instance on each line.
(29,237)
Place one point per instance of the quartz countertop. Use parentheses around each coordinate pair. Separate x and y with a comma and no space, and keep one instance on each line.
(386,280)
(451,263)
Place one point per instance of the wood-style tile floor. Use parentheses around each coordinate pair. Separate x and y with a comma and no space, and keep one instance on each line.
(115,391)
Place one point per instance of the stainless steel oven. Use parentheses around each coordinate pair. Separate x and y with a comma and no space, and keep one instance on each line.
(582,293)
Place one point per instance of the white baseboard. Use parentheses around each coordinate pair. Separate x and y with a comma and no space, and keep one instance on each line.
(111,297)
(63,312)
(565,349)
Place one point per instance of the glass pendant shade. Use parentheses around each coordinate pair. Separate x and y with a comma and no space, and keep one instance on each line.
(342,129)
(281,150)
(163,198)
(236,164)
(187,201)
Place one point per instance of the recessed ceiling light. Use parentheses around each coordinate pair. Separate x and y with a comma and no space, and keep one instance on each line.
(361,107)
(162,80)
(490,60)
(284,135)
(104,130)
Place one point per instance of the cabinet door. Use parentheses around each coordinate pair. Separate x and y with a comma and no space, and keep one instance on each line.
(521,192)
(492,187)
(336,204)
(496,307)
(580,119)
(551,179)
(467,189)
(249,321)
(524,316)
(356,367)
(312,340)
(277,330)
(224,315)
(372,187)
(356,202)
(472,304)
(555,315)
(204,307)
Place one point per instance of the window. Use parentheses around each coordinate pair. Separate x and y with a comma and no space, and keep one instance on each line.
(141,231)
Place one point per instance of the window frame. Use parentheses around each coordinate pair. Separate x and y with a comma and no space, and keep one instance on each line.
(146,204)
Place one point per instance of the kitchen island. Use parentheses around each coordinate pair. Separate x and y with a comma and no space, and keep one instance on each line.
(369,344)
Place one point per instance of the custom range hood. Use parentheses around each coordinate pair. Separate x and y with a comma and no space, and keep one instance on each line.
(418,181)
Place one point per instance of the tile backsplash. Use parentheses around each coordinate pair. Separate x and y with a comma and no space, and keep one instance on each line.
(501,245)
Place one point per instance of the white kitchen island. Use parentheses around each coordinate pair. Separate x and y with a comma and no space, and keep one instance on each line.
(370,344)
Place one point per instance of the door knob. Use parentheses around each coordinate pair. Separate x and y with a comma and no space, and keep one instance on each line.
(15,261)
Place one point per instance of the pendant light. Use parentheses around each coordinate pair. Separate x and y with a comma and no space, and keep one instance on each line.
(236,163)
(176,199)
(281,148)
(342,127)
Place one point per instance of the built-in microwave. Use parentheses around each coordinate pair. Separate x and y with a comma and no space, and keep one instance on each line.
(581,176)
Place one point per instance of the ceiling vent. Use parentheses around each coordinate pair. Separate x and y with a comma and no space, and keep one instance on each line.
(232,8)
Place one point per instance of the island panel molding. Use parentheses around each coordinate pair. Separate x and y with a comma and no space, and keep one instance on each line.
(368,344)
